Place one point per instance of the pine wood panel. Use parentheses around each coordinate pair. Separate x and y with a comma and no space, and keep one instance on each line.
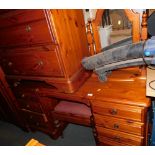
(104,141)
(16,17)
(124,125)
(118,110)
(38,61)
(69,29)
(26,34)
(120,137)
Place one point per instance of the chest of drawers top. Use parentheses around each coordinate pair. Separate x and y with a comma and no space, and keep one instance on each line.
(123,86)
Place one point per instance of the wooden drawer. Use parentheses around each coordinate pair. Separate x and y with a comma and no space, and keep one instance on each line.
(118,110)
(39,61)
(31,103)
(16,17)
(104,141)
(124,125)
(34,33)
(119,137)
(34,119)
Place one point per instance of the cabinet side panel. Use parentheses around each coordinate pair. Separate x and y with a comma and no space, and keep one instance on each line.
(70,34)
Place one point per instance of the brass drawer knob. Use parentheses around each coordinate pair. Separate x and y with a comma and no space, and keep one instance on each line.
(28,28)
(38,65)
(37,90)
(57,125)
(116,126)
(23,95)
(31,117)
(27,106)
(56,122)
(10,64)
(16,84)
(113,111)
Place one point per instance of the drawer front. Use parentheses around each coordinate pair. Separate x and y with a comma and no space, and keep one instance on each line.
(119,137)
(118,110)
(124,125)
(34,119)
(104,141)
(34,33)
(16,17)
(31,103)
(31,61)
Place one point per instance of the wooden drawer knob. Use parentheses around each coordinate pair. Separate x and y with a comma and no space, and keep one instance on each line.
(113,112)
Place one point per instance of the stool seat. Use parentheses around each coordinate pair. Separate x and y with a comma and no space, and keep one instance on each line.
(73,108)
(72,112)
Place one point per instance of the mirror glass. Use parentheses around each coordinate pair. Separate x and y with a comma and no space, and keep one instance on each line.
(115,28)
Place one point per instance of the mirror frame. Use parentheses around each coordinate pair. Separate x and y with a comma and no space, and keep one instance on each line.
(133,17)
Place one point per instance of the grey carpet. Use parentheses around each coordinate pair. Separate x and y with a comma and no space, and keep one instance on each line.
(74,135)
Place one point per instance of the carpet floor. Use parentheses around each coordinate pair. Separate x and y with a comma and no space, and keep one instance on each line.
(74,135)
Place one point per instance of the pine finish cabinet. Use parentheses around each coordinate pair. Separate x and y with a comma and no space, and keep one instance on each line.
(44,45)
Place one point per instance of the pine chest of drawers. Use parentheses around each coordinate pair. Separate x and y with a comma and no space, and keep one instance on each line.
(44,45)
(119,108)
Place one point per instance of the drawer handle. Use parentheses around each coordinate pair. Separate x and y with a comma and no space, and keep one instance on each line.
(38,65)
(117,138)
(116,126)
(31,117)
(10,64)
(27,106)
(23,95)
(28,28)
(37,89)
(56,122)
(113,112)
(45,118)
(16,84)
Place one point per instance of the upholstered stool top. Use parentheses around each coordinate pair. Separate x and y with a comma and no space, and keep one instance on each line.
(73,108)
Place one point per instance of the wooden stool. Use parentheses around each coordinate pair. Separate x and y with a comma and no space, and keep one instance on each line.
(72,112)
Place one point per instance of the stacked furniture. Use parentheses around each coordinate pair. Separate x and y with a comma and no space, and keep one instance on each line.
(120,112)
(41,39)
(119,107)
(42,48)
(41,53)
